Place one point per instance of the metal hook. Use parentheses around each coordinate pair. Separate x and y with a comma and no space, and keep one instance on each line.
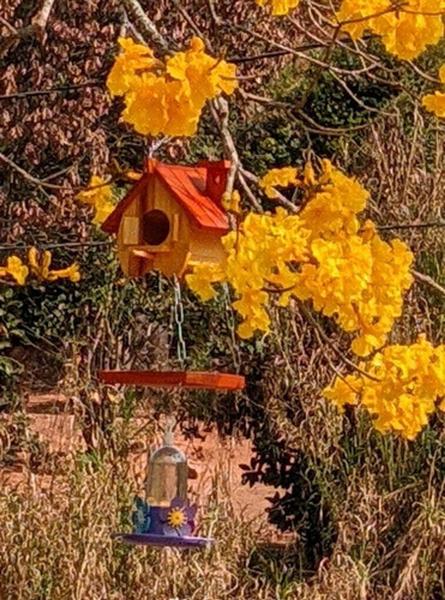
(170,424)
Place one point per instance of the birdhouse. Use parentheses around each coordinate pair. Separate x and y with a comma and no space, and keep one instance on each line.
(172,218)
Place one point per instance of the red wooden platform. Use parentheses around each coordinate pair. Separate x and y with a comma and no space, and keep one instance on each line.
(183,379)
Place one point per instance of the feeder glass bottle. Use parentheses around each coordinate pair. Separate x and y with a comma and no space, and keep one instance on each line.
(167,474)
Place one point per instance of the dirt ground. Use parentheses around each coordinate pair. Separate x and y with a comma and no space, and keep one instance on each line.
(209,457)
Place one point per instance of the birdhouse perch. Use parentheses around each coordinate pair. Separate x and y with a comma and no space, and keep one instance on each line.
(171,219)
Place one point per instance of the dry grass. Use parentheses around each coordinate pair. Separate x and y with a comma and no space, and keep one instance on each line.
(56,541)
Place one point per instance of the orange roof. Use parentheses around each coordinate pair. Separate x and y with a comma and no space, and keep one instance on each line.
(189,185)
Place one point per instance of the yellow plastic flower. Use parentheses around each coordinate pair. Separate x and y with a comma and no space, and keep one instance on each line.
(16,269)
(72,273)
(176,518)
(279,7)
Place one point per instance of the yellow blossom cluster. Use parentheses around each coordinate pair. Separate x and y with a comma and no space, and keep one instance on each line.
(323,255)
(436,102)
(279,7)
(256,256)
(404,386)
(167,96)
(406,29)
(39,266)
(99,195)
(354,276)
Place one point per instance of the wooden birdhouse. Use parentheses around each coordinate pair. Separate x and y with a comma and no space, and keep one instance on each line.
(171,219)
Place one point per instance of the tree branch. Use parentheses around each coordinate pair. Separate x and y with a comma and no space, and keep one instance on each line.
(41,19)
(37,27)
(145,25)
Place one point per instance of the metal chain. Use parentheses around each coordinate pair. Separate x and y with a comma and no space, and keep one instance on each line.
(178,314)
(231,325)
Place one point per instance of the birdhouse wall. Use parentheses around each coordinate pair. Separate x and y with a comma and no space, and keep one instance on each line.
(206,246)
(170,257)
(128,237)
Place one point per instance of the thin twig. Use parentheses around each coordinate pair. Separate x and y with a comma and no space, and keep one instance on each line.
(251,196)
(58,89)
(425,225)
(326,339)
(27,175)
(12,29)
(428,280)
(5,247)
(220,112)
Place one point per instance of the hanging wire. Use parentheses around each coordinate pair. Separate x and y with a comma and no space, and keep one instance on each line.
(21,246)
(178,315)
(231,323)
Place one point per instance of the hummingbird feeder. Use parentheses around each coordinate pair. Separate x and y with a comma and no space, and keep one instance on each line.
(165,517)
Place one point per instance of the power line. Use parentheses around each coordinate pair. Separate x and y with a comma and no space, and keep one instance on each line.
(54,245)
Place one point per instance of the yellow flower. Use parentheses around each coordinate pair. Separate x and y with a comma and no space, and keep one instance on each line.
(40,269)
(98,195)
(343,391)
(134,58)
(435,103)
(279,7)
(201,279)
(406,383)
(231,202)
(167,97)
(283,177)
(204,76)
(72,273)
(16,269)
(360,13)
(323,255)
(176,518)
(146,105)
(406,31)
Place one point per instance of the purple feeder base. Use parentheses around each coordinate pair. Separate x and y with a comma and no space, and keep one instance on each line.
(152,539)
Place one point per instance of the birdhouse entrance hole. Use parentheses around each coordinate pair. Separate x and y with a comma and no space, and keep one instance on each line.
(155,227)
